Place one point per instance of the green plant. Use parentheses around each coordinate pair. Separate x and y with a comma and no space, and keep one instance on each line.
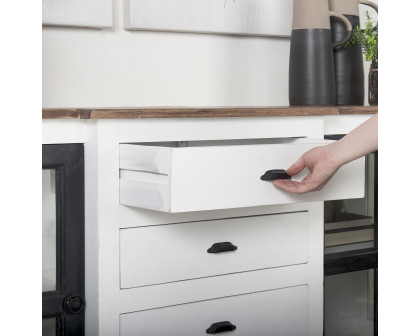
(368,39)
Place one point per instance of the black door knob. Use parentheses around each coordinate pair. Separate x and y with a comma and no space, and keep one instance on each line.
(74,304)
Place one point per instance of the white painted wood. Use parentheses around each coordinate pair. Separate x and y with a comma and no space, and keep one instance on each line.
(277,312)
(209,177)
(154,130)
(105,217)
(142,298)
(112,216)
(181,292)
(245,17)
(78,13)
(155,196)
(344,124)
(167,253)
(315,272)
(149,159)
(64,131)
(92,228)
(136,217)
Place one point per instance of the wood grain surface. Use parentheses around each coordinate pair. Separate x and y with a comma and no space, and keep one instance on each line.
(201,112)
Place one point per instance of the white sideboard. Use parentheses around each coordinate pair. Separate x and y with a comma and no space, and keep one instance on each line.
(151,272)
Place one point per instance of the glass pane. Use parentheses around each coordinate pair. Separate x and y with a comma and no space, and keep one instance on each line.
(49,248)
(349,304)
(49,326)
(350,224)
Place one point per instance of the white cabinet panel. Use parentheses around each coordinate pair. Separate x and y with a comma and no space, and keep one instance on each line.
(78,13)
(246,17)
(210,175)
(281,312)
(167,253)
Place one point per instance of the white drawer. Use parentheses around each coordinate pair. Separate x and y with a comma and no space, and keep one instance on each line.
(280,312)
(209,175)
(166,253)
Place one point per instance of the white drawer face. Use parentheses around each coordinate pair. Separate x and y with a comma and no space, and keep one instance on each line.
(166,253)
(280,312)
(210,175)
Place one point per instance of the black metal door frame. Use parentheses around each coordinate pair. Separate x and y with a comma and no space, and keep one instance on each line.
(66,303)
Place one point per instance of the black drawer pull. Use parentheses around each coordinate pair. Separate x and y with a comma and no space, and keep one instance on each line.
(222,247)
(275,174)
(219,327)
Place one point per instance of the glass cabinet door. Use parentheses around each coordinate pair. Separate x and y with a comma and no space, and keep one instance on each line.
(49,237)
(351,224)
(49,244)
(63,240)
(349,304)
(50,327)
(351,260)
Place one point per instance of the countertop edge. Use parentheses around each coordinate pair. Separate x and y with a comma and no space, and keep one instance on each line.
(202,112)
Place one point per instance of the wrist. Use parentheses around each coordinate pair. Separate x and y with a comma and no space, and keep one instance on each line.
(335,154)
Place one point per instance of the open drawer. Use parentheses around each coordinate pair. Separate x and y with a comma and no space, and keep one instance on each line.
(210,175)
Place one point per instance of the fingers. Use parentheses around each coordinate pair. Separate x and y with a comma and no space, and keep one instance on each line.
(292,186)
(297,167)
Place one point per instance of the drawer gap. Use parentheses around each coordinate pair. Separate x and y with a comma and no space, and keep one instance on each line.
(214,219)
(212,276)
(142,176)
(234,142)
(213,299)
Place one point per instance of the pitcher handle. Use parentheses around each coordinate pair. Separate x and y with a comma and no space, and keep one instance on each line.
(349,29)
(370,4)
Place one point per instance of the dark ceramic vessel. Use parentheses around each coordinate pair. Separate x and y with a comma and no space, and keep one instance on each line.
(348,66)
(348,62)
(311,66)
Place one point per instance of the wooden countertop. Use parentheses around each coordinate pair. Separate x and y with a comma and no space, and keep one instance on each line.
(201,112)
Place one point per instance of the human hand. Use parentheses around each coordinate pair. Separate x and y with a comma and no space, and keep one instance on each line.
(322,165)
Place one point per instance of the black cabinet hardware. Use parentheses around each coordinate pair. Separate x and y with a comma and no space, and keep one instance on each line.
(275,174)
(74,304)
(222,247)
(219,327)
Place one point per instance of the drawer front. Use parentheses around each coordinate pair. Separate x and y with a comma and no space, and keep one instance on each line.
(166,253)
(213,175)
(280,312)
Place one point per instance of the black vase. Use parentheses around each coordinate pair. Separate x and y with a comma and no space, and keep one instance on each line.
(311,66)
(348,62)
(348,66)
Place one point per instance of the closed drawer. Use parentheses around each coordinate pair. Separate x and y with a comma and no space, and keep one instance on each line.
(280,312)
(166,253)
(209,175)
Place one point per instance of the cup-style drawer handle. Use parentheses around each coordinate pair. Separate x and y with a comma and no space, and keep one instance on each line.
(222,247)
(275,174)
(219,327)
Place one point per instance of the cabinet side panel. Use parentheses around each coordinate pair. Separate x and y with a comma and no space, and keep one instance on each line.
(91,231)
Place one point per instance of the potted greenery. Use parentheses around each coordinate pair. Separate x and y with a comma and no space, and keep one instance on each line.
(368,39)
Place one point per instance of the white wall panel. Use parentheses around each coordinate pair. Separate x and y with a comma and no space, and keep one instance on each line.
(79,13)
(115,67)
(245,17)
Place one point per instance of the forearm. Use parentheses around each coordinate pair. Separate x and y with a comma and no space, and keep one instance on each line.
(359,142)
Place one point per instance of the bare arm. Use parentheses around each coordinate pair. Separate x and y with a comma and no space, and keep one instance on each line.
(322,162)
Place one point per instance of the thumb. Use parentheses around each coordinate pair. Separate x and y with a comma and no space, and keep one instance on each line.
(297,167)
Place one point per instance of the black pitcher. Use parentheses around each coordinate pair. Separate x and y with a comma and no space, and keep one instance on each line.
(311,67)
(348,62)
